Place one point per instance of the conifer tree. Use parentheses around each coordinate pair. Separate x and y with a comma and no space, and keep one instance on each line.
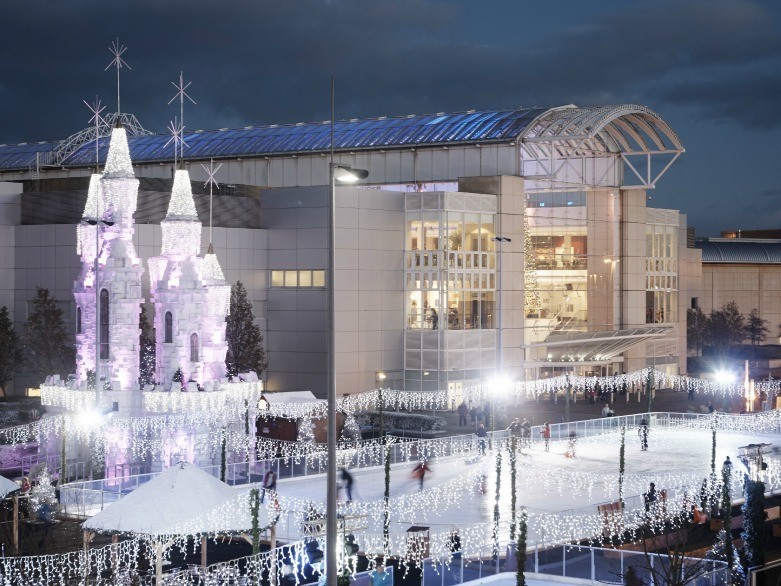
(245,342)
(10,349)
(45,339)
(351,432)
(754,523)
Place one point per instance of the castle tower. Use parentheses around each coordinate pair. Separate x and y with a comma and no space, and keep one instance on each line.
(107,230)
(189,295)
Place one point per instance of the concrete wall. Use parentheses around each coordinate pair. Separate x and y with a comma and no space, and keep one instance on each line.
(369,283)
(751,286)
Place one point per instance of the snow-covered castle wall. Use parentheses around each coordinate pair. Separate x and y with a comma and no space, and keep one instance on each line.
(111,203)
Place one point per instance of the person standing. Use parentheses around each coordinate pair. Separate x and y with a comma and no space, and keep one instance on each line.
(380,576)
(347,479)
(434,319)
(650,497)
(462,412)
(269,483)
(631,578)
(481,433)
(545,433)
(642,431)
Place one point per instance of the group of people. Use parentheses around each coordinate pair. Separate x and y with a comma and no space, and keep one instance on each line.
(476,415)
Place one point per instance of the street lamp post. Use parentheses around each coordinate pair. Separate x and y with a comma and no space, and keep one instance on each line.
(499,339)
(344,174)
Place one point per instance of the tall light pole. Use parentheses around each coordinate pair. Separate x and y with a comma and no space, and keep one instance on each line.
(499,378)
(344,174)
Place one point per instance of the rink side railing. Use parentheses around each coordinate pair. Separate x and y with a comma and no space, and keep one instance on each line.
(603,565)
(85,498)
(721,421)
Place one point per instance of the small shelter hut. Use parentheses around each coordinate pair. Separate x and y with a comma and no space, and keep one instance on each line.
(180,501)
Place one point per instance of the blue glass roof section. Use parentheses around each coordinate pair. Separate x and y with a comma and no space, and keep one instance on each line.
(740,251)
(407,131)
(24,156)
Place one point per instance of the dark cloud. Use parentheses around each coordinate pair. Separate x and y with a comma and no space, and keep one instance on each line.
(702,64)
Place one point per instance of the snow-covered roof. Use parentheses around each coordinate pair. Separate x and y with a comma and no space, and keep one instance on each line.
(283,397)
(180,500)
(7,487)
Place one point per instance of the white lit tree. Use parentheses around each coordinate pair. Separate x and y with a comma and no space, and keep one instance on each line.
(351,432)
(306,431)
(43,493)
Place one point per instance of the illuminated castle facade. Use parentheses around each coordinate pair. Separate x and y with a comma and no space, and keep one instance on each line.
(189,292)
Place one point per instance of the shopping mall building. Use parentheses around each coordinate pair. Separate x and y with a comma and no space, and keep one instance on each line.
(519,240)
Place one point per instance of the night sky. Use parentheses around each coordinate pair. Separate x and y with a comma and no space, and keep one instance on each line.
(711,68)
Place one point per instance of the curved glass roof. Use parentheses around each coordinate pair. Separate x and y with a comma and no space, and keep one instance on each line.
(739,251)
(607,128)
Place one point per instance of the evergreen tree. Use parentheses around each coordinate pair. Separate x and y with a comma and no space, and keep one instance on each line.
(306,433)
(351,432)
(178,378)
(754,523)
(726,327)
(10,349)
(520,550)
(756,328)
(696,330)
(146,354)
(245,342)
(43,493)
(45,339)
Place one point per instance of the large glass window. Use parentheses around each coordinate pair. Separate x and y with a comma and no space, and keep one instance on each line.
(450,269)
(661,296)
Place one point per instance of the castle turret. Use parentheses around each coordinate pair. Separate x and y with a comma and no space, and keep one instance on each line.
(189,295)
(107,230)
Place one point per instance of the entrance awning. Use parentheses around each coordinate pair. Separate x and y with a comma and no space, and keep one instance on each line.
(594,347)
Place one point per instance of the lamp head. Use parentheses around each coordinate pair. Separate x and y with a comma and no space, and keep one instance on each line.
(346,174)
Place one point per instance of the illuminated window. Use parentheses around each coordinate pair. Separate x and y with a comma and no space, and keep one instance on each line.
(300,279)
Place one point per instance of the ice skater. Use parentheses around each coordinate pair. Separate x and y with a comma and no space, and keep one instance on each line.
(573,439)
(347,480)
(545,433)
(419,472)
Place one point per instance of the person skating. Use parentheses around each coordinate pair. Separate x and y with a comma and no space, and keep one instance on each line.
(419,472)
(642,431)
(526,429)
(545,433)
(347,479)
(573,439)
